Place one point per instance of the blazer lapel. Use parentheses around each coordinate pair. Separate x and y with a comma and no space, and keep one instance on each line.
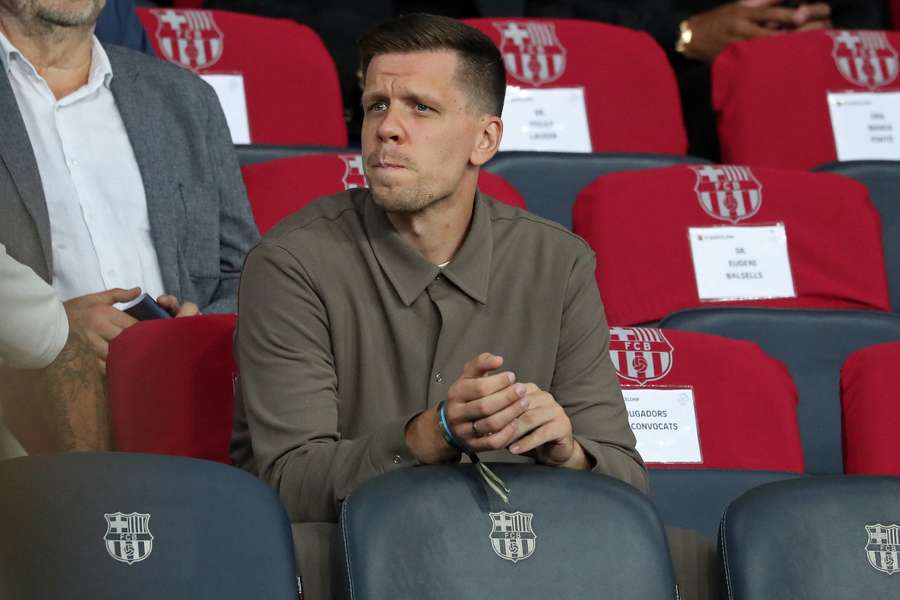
(164,204)
(18,156)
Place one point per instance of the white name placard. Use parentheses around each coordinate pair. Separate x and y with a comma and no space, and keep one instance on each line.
(551,120)
(665,424)
(866,125)
(741,263)
(229,88)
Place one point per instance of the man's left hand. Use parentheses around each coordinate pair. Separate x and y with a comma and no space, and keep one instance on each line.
(175,308)
(545,433)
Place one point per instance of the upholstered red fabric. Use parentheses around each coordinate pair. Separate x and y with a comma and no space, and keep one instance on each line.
(632,99)
(170,387)
(745,401)
(290,81)
(770,95)
(870,400)
(637,223)
(277,188)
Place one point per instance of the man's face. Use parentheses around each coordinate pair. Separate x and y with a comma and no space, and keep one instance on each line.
(60,13)
(419,130)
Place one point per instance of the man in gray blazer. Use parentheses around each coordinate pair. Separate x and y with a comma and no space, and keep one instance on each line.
(117,172)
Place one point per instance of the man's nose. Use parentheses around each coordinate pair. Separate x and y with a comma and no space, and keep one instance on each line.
(391,126)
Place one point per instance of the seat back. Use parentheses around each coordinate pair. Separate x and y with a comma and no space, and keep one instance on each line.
(437,532)
(738,426)
(869,394)
(288,73)
(828,538)
(813,344)
(278,188)
(631,97)
(147,527)
(550,181)
(170,387)
(882,177)
(770,92)
(697,498)
(832,229)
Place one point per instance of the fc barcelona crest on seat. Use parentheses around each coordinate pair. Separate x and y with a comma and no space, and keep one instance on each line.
(727,192)
(883,549)
(189,38)
(640,354)
(128,538)
(531,51)
(512,537)
(865,58)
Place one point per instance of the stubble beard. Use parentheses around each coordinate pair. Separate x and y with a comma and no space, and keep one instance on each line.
(60,17)
(407,202)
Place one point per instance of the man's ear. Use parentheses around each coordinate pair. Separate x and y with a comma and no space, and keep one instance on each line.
(488,141)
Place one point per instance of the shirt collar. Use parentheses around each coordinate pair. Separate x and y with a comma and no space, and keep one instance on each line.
(410,273)
(101,69)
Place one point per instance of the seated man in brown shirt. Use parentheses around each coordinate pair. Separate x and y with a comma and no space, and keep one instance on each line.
(364,311)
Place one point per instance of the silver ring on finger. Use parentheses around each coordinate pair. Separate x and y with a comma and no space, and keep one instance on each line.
(475,429)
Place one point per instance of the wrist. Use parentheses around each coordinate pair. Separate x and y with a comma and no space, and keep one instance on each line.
(579,460)
(424,439)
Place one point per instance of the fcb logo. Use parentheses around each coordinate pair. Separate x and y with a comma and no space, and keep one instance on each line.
(189,38)
(865,58)
(512,537)
(531,51)
(728,192)
(883,549)
(640,354)
(354,176)
(128,538)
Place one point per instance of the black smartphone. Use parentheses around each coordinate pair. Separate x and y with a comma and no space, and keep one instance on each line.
(145,308)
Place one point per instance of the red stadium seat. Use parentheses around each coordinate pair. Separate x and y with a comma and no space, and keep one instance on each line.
(637,223)
(745,401)
(630,91)
(290,80)
(170,387)
(277,188)
(869,401)
(770,93)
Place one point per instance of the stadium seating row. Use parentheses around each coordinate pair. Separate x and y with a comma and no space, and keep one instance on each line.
(181,528)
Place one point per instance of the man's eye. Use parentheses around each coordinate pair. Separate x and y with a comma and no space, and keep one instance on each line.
(422,107)
(378,107)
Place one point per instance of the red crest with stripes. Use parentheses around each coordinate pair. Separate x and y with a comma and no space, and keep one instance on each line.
(727,192)
(865,58)
(189,38)
(531,51)
(640,354)
(354,176)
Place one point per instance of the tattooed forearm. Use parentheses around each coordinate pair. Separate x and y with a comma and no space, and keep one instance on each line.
(75,405)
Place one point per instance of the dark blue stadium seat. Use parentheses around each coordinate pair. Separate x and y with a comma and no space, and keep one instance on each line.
(254,153)
(428,532)
(550,181)
(142,527)
(813,344)
(828,538)
(882,177)
(696,498)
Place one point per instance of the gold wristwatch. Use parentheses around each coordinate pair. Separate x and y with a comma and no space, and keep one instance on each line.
(684,37)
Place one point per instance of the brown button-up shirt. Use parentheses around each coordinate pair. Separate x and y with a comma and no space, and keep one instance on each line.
(346,333)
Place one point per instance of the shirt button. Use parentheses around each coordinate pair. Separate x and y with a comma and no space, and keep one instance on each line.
(397,459)
(438,377)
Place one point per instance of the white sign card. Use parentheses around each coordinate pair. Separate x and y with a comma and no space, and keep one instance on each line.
(229,88)
(665,424)
(550,120)
(741,263)
(866,125)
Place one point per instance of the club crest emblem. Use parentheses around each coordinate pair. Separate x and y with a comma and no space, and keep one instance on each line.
(640,354)
(531,51)
(128,538)
(883,549)
(189,38)
(865,58)
(512,537)
(354,176)
(728,192)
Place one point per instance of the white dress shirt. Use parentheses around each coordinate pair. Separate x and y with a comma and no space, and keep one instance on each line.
(99,227)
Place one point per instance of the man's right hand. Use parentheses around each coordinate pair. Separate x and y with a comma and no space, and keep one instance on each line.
(481,411)
(95,317)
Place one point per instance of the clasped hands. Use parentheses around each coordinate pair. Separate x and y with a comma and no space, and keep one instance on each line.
(493,411)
